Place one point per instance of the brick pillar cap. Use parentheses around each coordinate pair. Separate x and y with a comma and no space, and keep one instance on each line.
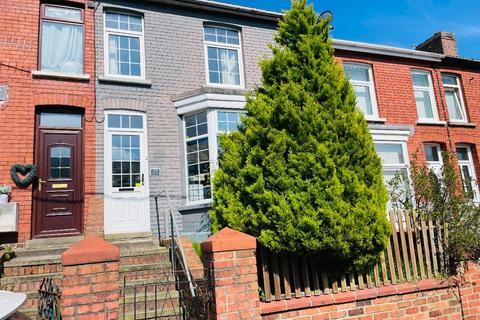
(90,250)
(229,240)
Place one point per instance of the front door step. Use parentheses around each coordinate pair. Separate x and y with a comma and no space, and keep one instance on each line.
(52,242)
(127,236)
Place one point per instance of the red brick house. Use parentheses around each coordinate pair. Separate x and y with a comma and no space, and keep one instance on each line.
(418,101)
(47,116)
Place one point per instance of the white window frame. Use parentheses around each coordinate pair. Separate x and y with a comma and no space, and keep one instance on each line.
(371,88)
(431,94)
(471,169)
(109,132)
(394,137)
(109,31)
(212,134)
(435,166)
(238,47)
(457,90)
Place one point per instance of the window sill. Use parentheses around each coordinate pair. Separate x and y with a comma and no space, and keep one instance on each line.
(462,124)
(60,75)
(376,120)
(431,123)
(138,82)
(196,206)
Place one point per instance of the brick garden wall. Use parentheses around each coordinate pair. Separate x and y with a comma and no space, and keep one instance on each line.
(19,52)
(231,257)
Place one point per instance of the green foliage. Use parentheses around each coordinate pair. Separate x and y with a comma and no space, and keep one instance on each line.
(198,249)
(301,174)
(441,196)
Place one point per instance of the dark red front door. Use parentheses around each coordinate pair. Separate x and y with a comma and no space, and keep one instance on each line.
(58,197)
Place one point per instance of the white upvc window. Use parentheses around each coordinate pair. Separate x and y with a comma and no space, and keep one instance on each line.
(361,78)
(394,160)
(454,97)
(201,131)
(424,96)
(433,157)
(124,45)
(467,171)
(223,56)
(125,152)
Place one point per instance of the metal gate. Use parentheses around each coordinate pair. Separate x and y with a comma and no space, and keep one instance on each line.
(172,297)
(177,295)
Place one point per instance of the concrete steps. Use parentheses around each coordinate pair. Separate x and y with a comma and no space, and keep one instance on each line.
(143,265)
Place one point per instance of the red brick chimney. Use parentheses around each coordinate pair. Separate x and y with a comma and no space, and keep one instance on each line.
(441,42)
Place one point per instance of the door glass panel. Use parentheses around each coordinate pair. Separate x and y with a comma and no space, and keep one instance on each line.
(126,161)
(60,119)
(60,164)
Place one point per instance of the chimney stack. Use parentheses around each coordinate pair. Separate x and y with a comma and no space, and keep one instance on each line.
(441,42)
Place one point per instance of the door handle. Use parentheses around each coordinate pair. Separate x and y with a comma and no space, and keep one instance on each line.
(143,179)
(40,182)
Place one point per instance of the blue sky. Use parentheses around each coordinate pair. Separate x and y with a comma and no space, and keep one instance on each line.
(402,23)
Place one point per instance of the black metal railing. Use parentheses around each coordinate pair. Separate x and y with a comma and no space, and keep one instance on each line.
(168,298)
(49,297)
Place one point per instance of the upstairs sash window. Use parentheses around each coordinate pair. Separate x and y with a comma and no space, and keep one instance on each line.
(453,95)
(424,95)
(124,53)
(223,54)
(361,78)
(62,47)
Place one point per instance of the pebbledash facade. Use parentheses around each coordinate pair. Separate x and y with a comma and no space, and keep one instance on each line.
(162,79)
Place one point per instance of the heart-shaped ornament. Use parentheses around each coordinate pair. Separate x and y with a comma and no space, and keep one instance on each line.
(23,175)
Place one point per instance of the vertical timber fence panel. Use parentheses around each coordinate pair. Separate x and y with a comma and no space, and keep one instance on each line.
(414,252)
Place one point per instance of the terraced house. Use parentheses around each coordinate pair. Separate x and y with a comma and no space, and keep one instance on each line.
(165,79)
(119,105)
(172,76)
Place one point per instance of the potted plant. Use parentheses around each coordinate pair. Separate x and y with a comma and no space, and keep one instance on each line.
(4,192)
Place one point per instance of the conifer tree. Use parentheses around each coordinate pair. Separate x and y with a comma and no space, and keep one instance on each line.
(301,174)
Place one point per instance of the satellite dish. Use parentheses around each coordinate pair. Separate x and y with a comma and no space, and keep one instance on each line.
(327,14)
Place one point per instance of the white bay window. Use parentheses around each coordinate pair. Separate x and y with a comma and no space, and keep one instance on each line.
(201,131)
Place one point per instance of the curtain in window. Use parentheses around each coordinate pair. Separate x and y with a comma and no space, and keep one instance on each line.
(62,47)
(229,66)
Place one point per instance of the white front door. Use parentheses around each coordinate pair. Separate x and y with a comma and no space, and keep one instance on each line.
(126,202)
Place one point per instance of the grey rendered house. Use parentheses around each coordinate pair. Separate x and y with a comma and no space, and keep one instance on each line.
(171,75)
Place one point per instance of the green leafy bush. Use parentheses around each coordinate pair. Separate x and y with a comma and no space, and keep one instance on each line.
(301,174)
(441,196)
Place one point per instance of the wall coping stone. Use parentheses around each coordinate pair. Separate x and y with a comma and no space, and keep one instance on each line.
(350,296)
(229,240)
(90,250)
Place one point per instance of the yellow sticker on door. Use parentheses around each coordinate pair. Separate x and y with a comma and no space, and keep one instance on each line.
(138,185)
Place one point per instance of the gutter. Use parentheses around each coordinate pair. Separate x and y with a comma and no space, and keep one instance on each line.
(225,8)
(386,50)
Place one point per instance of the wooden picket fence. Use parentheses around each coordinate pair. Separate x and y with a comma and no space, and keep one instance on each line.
(415,252)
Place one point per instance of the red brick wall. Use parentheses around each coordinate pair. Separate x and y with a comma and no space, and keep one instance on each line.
(19,44)
(396,101)
(230,255)
(426,299)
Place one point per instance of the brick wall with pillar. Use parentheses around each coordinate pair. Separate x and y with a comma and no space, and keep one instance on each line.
(90,288)
(230,255)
